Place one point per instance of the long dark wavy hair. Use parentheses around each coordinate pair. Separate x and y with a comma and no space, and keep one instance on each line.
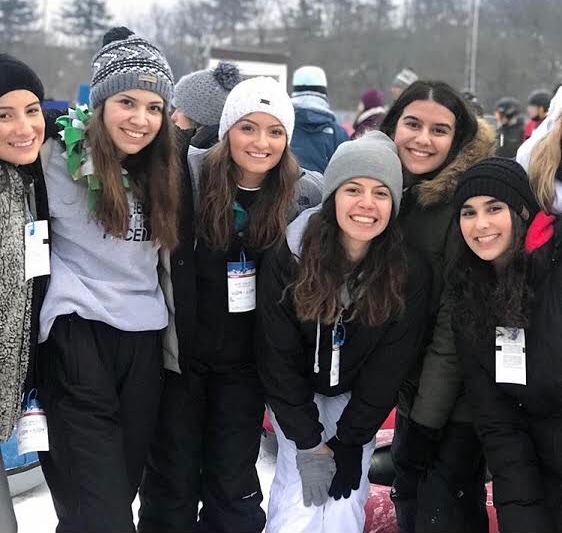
(267,216)
(466,122)
(484,298)
(155,181)
(376,283)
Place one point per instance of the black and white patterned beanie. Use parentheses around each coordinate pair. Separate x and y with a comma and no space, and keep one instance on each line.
(127,62)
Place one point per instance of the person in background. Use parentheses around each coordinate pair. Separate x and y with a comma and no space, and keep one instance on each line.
(198,101)
(402,81)
(370,112)
(506,282)
(440,471)
(201,475)
(511,125)
(113,188)
(342,287)
(471,98)
(23,199)
(537,109)
(317,133)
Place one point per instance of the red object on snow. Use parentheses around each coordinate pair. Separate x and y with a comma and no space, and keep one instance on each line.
(389,422)
(380,517)
(266,424)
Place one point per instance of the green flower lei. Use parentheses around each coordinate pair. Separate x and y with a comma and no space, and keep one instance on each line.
(78,153)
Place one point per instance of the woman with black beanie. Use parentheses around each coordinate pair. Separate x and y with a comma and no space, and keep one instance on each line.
(23,214)
(506,282)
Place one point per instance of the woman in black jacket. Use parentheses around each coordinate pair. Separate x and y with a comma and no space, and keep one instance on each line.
(438,137)
(342,309)
(507,319)
(246,189)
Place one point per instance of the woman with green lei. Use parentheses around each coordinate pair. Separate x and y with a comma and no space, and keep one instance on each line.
(113,190)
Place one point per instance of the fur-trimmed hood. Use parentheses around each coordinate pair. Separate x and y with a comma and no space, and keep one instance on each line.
(442,187)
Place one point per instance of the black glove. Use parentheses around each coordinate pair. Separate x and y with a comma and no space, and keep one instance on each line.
(422,445)
(348,468)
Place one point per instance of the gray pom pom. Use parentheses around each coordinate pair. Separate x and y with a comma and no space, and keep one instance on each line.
(227,75)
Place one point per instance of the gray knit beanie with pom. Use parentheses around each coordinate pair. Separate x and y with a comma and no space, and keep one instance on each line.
(126,62)
(200,95)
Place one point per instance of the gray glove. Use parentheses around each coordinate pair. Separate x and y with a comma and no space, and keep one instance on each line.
(316,471)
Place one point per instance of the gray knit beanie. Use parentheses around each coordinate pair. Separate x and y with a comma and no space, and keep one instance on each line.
(127,62)
(200,95)
(373,155)
(255,95)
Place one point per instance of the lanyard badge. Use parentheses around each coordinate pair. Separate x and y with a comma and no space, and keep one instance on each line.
(241,278)
(31,433)
(338,340)
(510,356)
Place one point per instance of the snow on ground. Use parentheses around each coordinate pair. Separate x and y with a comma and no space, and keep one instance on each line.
(35,512)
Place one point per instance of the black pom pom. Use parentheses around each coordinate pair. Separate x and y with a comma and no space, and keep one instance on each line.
(227,75)
(117,34)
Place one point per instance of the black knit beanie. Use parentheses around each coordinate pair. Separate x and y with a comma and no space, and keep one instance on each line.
(501,178)
(16,75)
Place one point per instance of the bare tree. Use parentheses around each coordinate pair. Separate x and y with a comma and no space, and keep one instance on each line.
(17,20)
(86,22)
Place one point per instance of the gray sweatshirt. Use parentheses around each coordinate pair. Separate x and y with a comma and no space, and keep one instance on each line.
(93,274)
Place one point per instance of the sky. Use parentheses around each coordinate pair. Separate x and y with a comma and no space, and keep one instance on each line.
(124,11)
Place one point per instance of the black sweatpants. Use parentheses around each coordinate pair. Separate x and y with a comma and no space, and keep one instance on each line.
(100,389)
(205,449)
(450,496)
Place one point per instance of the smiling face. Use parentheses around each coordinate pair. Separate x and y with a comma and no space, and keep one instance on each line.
(363,210)
(133,119)
(257,142)
(22,127)
(424,135)
(487,228)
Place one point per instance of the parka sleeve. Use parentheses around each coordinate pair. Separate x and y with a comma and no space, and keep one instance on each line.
(509,449)
(279,348)
(375,392)
(440,382)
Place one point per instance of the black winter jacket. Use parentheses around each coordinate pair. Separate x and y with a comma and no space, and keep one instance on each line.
(433,393)
(201,330)
(521,425)
(374,360)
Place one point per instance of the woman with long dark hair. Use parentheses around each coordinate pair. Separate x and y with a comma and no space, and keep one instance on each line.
(439,468)
(342,307)
(506,281)
(23,208)
(246,189)
(112,185)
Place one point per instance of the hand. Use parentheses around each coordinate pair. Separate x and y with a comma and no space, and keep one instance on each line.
(316,468)
(348,468)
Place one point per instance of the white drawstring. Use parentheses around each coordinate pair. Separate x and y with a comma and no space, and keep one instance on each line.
(317,352)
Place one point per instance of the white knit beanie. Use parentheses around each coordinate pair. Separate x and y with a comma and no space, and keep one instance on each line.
(256,95)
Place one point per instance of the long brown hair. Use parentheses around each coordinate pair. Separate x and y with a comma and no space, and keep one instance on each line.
(376,284)
(155,180)
(268,215)
(545,160)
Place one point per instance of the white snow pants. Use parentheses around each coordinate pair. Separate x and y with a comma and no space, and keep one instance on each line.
(286,511)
